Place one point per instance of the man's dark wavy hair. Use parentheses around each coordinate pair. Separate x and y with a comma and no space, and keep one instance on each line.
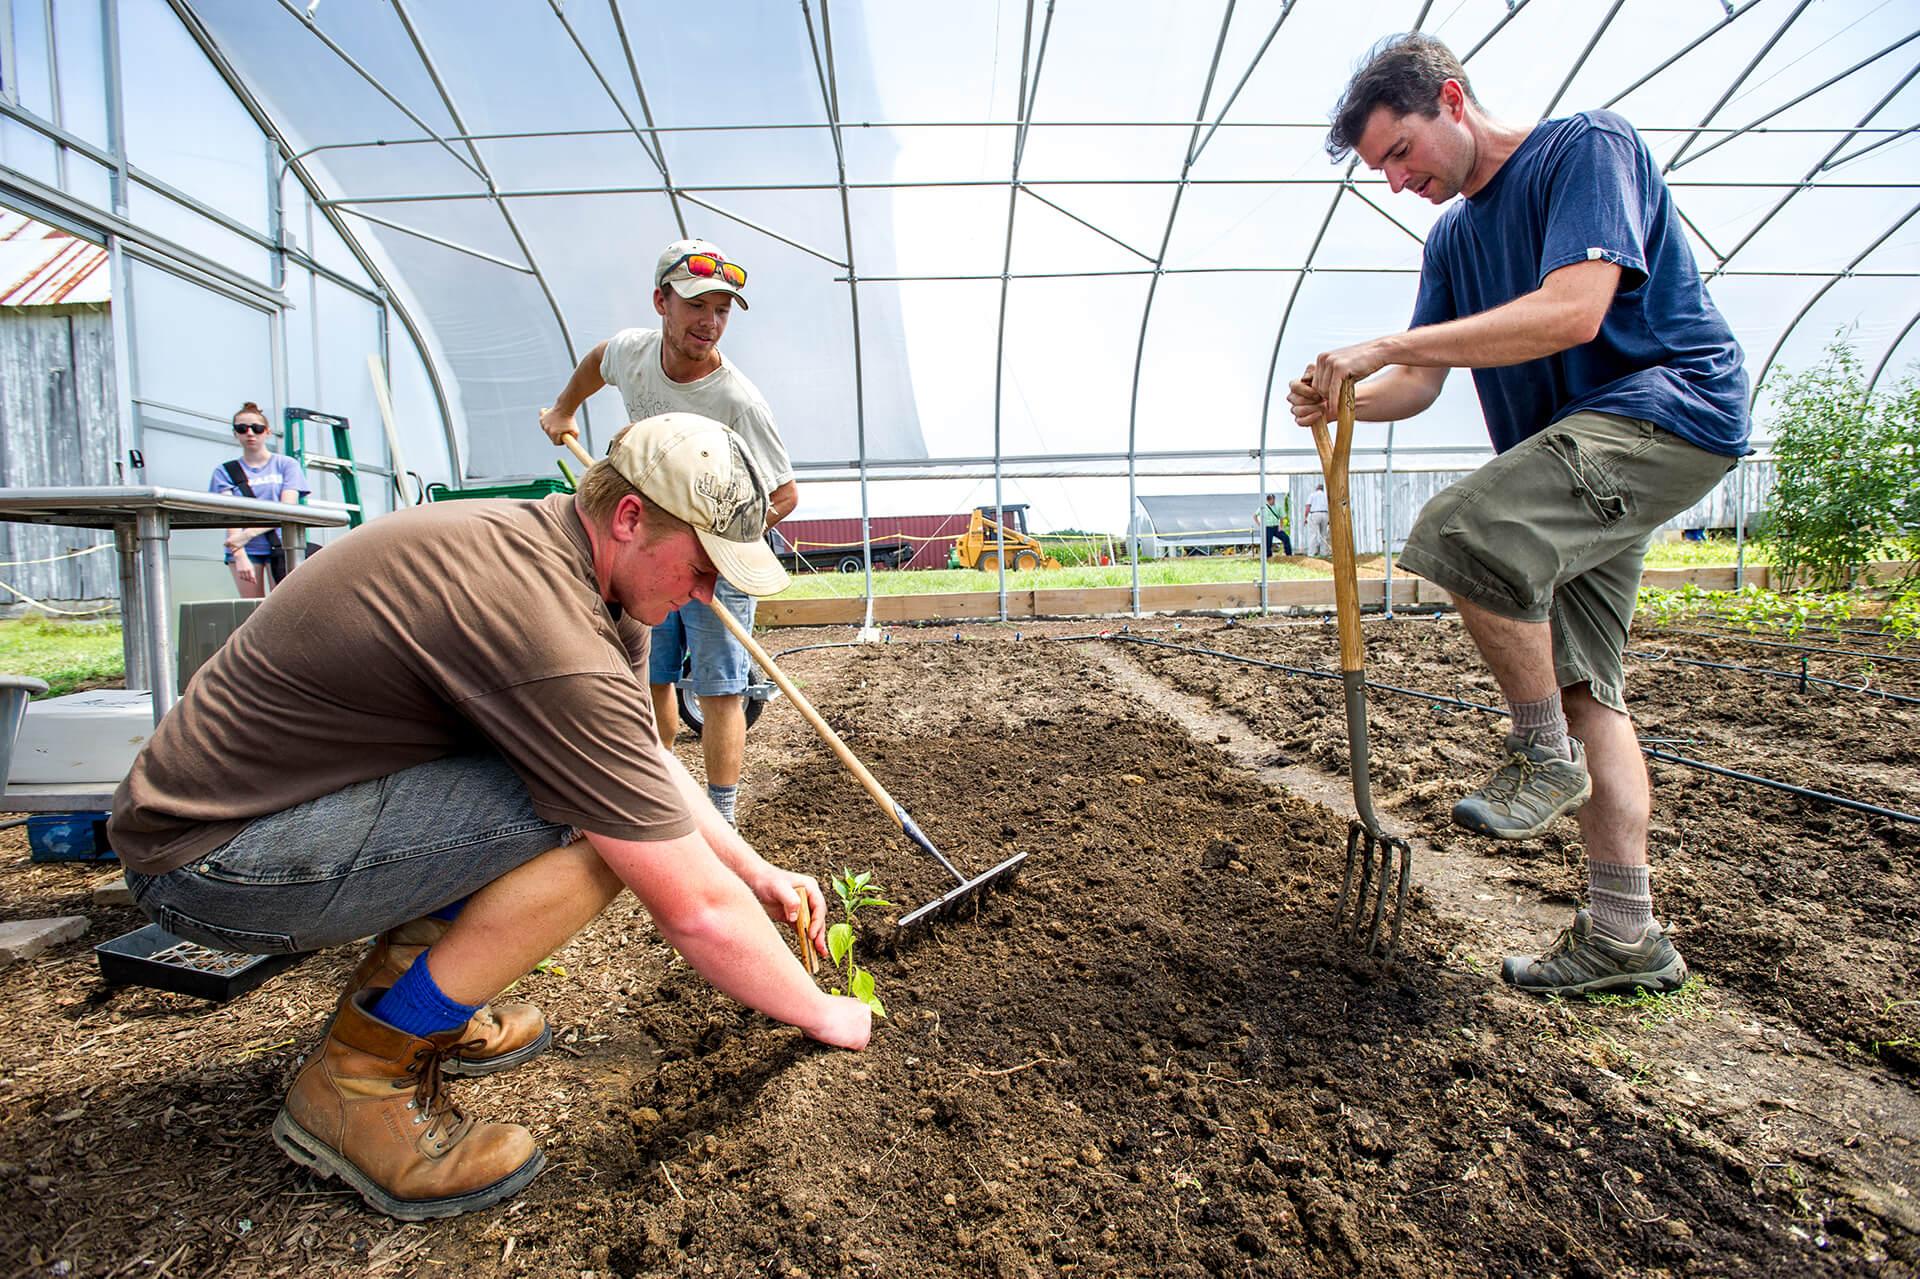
(1402,73)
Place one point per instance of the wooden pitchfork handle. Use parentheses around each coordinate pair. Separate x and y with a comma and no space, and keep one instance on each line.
(812,716)
(1334,454)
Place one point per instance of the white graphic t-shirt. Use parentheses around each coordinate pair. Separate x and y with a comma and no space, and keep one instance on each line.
(632,363)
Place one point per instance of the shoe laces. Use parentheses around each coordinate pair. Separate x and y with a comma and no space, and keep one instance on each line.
(1511,777)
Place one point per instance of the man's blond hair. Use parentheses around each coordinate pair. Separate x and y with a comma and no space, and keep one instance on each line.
(602,487)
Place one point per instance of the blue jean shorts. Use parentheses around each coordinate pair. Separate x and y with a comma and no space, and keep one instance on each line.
(356,862)
(721,666)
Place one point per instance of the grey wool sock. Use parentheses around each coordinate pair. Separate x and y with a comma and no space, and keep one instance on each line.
(723,798)
(1544,724)
(1622,899)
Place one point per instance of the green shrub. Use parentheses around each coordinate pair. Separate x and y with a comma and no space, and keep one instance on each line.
(1847,487)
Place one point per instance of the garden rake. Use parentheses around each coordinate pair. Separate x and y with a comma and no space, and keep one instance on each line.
(966,889)
(1380,858)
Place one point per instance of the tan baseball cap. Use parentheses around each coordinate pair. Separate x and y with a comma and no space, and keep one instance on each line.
(694,468)
(671,271)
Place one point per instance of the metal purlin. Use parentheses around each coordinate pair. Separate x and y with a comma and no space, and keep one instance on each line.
(646,112)
(1795,101)
(1146,311)
(1023,115)
(830,100)
(214,54)
(1806,183)
(1759,56)
(307,20)
(506,214)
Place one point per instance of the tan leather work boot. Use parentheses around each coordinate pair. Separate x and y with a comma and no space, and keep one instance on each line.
(368,1108)
(499,1037)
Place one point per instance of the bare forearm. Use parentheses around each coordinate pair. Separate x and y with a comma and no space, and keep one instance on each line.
(1397,393)
(734,852)
(585,381)
(1527,328)
(781,501)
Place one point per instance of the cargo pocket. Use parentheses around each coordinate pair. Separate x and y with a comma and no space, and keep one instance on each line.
(1592,482)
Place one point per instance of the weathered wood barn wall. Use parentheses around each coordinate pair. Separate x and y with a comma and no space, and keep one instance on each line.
(57,427)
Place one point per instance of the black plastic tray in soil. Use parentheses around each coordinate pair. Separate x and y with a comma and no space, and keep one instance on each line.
(152,956)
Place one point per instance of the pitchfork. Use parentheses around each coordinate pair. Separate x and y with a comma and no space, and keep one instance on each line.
(1369,847)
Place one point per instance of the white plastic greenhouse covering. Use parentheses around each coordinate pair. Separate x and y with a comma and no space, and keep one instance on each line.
(1032,247)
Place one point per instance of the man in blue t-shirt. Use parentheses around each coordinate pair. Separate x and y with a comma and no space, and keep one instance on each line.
(1616,397)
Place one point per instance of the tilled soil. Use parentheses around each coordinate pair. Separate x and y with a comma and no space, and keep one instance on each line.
(1147,1056)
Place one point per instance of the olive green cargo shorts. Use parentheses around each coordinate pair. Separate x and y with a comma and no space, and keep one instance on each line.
(1556,530)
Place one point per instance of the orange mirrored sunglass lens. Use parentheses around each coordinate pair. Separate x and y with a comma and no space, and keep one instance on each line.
(706,266)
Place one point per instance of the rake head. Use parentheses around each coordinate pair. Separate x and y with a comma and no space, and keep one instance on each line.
(1385,864)
(953,903)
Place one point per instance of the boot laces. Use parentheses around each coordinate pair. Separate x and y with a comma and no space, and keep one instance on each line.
(424,1074)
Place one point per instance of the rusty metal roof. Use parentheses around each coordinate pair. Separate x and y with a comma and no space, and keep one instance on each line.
(44,266)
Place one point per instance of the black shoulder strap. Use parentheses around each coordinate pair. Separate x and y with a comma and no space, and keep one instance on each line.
(239,477)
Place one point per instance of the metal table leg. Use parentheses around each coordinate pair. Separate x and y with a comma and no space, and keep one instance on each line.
(132,612)
(157,598)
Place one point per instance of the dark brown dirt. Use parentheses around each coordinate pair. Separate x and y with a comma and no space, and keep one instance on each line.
(1146,1058)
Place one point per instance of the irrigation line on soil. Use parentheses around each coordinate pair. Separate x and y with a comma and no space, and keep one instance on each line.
(1799,677)
(1798,648)
(1439,699)
(1839,801)
(1737,625)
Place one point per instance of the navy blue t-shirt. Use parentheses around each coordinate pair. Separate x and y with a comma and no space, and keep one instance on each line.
(1580,188)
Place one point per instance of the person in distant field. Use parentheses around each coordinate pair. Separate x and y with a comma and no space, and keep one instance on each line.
(1616,397)
(678,368)
(1274,517)
(1319,541)
(272,477)
(460,687)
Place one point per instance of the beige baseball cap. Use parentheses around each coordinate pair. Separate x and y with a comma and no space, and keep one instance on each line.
(671,271)
(694,468)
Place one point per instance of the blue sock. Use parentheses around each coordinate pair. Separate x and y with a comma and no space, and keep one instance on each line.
(414,1004)
(450,911)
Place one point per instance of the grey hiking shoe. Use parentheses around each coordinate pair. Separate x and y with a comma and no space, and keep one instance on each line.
(1583,961)
(1527,792)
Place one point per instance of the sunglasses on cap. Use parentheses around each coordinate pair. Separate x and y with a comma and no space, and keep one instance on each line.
(251,428)
(705,266)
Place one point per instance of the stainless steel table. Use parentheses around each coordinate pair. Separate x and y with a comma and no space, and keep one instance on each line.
(141,520)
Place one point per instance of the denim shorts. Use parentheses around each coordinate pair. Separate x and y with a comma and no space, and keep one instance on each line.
(356,862)
(1556,530)
(721,666)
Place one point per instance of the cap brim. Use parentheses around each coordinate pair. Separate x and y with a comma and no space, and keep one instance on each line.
(751,566)
(691,289)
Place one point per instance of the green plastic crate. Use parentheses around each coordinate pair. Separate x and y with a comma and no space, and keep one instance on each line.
(526,490)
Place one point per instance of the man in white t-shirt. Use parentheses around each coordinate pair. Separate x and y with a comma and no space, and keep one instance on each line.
(678,368)
(1318,542)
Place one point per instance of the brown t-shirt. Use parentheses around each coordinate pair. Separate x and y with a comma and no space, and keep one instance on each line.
(429,632)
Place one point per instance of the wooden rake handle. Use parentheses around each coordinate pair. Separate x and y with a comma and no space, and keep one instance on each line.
(1334,454)
(794,695)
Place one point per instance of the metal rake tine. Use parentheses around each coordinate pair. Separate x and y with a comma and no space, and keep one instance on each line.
(1380,852)
(1406,883)
(1357,837)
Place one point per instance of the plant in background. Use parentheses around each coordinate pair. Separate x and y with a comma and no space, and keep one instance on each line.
(1847,479)
(856,893)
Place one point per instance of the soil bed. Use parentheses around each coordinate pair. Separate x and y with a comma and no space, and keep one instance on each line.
(1147,1058)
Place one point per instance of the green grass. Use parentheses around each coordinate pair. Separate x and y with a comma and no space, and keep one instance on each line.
(1174,572)
(1716,553)
(67,655)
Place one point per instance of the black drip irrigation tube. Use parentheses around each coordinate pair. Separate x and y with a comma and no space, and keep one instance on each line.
(1432,699)
(1799,677)
(1798,648)
(1838,801)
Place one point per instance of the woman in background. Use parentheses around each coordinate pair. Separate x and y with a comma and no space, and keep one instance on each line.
(257,473)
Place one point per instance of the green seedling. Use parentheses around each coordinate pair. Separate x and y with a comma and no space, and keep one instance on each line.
(856,892)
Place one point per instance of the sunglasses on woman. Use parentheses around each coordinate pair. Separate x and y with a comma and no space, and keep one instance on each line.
(250,428)
(705,266)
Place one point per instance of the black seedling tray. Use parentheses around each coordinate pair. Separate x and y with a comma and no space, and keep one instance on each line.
(152,956)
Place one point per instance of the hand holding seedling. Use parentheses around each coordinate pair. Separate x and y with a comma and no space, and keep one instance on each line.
(856,893)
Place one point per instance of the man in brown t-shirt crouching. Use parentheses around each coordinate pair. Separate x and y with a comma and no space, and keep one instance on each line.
(467,767)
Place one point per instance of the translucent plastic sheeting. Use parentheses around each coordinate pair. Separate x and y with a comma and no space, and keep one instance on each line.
(1185,139)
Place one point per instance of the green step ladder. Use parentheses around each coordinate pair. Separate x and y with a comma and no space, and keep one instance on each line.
(339,462)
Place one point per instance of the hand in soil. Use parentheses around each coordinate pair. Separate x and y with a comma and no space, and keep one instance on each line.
(844,1023)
